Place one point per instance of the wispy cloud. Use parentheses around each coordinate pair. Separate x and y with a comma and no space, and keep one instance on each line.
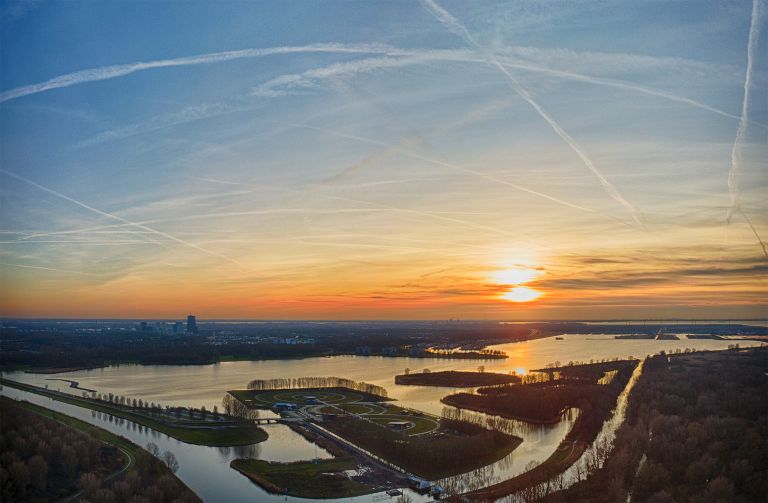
(120,219)
(452,24)
(437,162)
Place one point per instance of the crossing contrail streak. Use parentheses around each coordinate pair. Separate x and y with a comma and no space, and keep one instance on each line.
(120,219)
(738,144)
(452,24)
(456,167)
(754,231)
(22,266)
(385,207)
(116,71)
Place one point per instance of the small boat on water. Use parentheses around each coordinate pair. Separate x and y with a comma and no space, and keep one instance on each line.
(558,338)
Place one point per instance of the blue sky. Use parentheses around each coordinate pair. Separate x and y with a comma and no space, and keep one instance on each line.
(381,159)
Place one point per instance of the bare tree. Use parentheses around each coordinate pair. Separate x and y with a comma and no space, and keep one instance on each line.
(170,461)
(153,449)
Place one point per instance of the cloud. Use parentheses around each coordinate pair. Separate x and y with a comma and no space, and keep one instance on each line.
(741,131)
(456,27)
(120,219)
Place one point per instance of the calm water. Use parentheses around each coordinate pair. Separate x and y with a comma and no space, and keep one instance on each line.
(206,469)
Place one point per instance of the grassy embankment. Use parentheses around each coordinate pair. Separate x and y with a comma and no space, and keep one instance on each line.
(458,448)
(194,432)
(305,479)
(135,458)
(456,379)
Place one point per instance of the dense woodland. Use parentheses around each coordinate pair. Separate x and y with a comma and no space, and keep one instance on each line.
(696,427)
(545,401)
(470,446)
(45,460)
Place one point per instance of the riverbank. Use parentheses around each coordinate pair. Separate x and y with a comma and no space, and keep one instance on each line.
(232,433)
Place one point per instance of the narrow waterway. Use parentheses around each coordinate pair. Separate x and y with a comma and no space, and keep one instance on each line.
(205,469)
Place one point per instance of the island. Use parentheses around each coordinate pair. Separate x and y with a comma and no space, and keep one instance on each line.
(456,379)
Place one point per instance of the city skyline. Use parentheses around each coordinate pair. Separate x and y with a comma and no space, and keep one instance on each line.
(421,160)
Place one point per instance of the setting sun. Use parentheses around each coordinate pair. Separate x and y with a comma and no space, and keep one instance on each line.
(521,294)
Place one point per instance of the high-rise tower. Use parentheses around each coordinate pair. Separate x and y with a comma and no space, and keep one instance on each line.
(191,324)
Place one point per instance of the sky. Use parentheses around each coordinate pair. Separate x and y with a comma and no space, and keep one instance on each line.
(420,159)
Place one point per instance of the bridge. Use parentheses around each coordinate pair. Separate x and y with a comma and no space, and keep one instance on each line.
(269,420)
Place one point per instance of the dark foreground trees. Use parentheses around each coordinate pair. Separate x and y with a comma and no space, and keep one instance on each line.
(45,460)
(696,427)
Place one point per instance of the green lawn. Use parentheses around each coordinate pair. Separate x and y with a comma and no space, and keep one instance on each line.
(304,479)
(242,434)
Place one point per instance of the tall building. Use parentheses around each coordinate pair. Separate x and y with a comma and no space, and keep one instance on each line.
(178,327)
(191,324)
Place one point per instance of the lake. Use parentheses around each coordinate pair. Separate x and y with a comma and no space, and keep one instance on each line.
(206,469)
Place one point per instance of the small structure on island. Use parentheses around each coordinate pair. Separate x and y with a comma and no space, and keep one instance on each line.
(399,425)
(418,483)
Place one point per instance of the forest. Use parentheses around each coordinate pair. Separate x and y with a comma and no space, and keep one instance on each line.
(695,432)
(44,459)
(456,379)
(544,401)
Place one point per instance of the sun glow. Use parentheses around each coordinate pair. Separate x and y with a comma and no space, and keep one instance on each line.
(521,294)
(516,276)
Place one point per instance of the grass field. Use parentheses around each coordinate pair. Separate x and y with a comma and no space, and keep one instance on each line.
(335,396)
(243,434)
(304,479)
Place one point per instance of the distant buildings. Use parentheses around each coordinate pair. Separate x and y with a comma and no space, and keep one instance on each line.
(191,324)
(178,327)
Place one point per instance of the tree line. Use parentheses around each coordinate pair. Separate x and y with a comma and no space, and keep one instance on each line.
(45,460)
(316,382)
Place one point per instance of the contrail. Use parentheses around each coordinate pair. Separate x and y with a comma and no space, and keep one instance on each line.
(49,269)
(738,144)
(120,219)
(452,24)
(456,167)
(114,71)
(380,206)
(754,231)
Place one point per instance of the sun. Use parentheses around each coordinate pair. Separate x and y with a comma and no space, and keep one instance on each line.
(521,294)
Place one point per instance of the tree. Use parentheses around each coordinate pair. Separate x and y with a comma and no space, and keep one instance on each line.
(90,482)
(170,461)
(481,369)
(407,371)
(38,470)
(153,449)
